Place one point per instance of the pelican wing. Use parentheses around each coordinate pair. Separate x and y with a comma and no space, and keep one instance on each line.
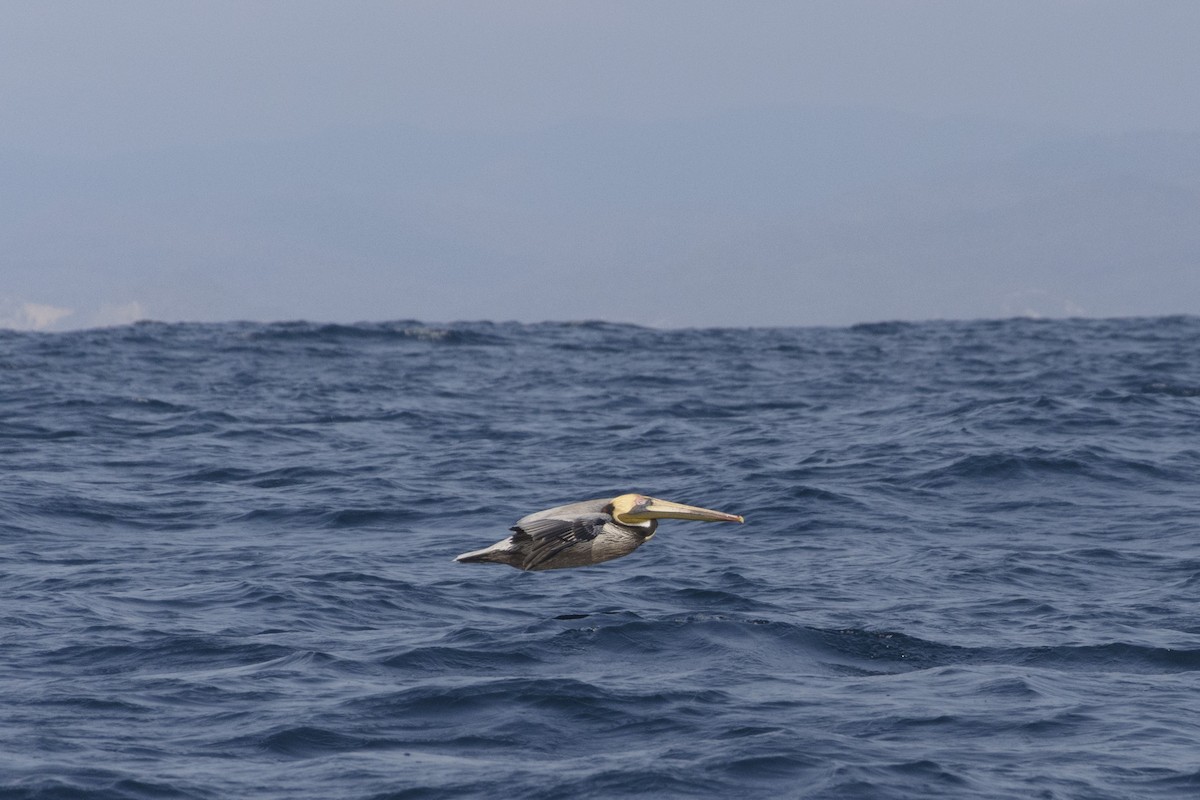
(548,537)
(571,511)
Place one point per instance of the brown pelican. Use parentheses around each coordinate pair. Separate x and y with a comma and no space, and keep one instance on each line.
(581,534)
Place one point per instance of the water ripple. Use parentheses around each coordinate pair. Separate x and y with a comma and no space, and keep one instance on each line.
(967,570)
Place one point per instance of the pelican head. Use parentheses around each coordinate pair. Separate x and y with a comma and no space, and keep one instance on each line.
(638,509)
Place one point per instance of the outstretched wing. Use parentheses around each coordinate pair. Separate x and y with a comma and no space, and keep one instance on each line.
(547,538)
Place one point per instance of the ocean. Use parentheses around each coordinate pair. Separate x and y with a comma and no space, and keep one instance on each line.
(970,566)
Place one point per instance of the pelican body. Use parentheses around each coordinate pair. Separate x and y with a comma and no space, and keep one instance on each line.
(586,533)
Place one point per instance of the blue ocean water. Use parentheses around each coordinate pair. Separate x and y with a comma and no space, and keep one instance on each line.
(970,566)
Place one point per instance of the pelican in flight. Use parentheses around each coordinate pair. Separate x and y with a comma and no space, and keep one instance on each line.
(581,534)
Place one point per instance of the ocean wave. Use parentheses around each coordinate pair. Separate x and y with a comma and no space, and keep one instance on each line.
(404,330)
(966,570)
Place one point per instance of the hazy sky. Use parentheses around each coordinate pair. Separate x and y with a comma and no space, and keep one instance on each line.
(84,83)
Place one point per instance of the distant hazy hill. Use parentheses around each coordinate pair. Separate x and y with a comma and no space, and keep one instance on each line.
(761,217)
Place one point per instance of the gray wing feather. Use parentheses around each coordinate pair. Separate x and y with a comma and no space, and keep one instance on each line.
(548,537)
(570,511)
